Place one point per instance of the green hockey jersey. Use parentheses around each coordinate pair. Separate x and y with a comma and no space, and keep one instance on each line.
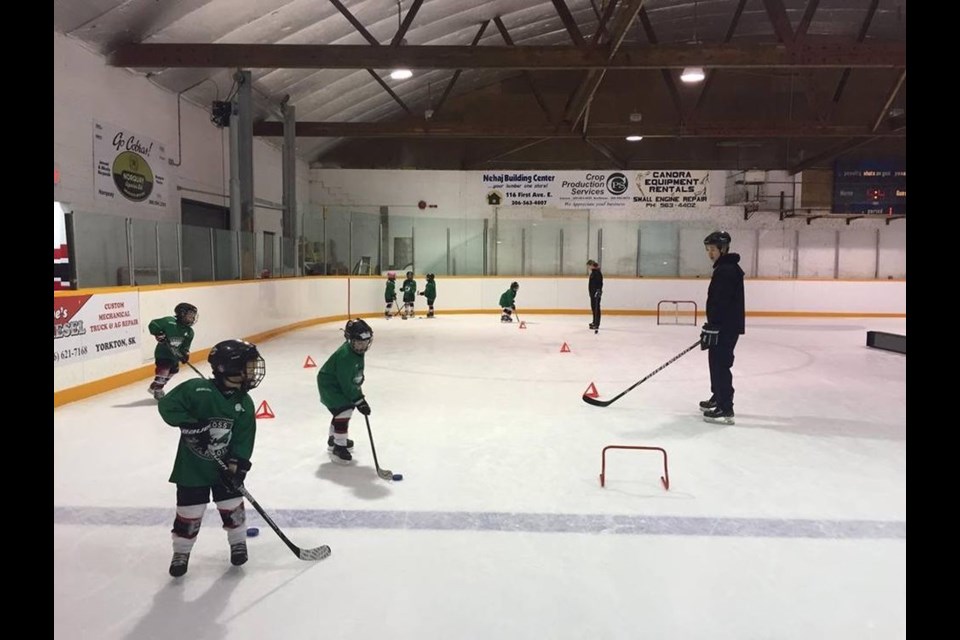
(179,335)
(340,378)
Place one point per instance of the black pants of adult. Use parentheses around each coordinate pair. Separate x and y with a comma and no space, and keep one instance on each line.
(595,307)
(720,358)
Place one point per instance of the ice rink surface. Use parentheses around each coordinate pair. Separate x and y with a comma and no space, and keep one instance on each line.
(789,524)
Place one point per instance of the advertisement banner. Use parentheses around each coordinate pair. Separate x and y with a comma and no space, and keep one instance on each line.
(128,167)
(94,325)
(597,189)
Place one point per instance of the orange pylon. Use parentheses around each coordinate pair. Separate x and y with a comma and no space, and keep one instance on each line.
(523,324)
(565,348)
(309,363)
(591,392)
(264,411)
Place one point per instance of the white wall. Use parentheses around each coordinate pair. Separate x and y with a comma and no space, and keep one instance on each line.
(769,246)
(86,89)
(236,310)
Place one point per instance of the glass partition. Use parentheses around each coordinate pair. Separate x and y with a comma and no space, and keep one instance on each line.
(659,243)
(198,253)
(100,250)
(225,255)
(514,242)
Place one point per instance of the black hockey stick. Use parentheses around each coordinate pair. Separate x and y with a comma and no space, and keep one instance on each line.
(607,403)
(179,355)
(317,553)
(386,474)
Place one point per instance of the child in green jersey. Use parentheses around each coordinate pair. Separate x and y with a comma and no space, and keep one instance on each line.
(216,418)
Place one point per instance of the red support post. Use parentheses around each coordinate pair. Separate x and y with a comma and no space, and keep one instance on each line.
(664,479)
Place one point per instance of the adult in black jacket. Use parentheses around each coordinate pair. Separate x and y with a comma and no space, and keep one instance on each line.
(725,325)
(595,286)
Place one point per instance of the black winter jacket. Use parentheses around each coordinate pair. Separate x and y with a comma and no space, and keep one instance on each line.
(596,282)
(725,308)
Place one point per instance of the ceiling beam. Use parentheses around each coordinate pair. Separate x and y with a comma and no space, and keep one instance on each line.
(894,90)
(373,42)
(456,74)
(502,28)
(827,52)
(405,25)
(805,21)
(664,73)
(711,74)
(778,18)
(439,130)
(602,20)
(827,155)
(569,23)
(607,153)
(861,36)
(584,93)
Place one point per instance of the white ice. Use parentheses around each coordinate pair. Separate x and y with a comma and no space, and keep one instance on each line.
(789,524)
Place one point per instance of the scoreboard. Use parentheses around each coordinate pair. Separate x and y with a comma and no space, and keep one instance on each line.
(870,187)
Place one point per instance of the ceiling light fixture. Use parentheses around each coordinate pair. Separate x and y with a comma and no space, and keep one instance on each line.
(692,74)
(400,74)
(635,118)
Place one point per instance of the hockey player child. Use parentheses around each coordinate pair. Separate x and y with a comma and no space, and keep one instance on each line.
(216,418)
(339,381)
(430,292)
(174,335)
(390,294)
(409,289)
(507,302)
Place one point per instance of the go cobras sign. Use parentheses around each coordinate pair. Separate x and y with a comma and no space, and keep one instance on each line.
(128,167)
(598,189)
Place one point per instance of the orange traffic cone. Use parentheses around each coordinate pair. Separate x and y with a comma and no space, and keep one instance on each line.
(264,411)
(523,324)
(565,348)
(309,363)
(591,392)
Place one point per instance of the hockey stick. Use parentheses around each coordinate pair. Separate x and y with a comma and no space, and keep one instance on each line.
(179,355)
(386,474)
(607,403)
(317,553)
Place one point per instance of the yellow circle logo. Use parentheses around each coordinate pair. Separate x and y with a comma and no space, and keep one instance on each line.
(133,176)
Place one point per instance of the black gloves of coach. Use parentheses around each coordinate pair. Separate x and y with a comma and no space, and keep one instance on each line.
(363,407)
(709,336)
(197,434)
(234,479)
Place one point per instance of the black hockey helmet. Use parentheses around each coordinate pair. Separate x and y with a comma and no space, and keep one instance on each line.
(720,239)
(430,276)
(409,274)
(359,335)
(232,359)
(186,314)
(514,285)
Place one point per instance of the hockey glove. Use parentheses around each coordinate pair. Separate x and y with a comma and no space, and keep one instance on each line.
(196,433)
(363,407)
(709,336)
(598,293)
(161,337)
(235,473)
(183,356)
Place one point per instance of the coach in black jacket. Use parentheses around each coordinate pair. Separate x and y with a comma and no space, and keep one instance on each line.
(595,287)
(725,325)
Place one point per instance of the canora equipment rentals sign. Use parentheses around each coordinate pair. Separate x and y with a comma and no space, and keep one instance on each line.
(94,325)
(597,189)
(128,167)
